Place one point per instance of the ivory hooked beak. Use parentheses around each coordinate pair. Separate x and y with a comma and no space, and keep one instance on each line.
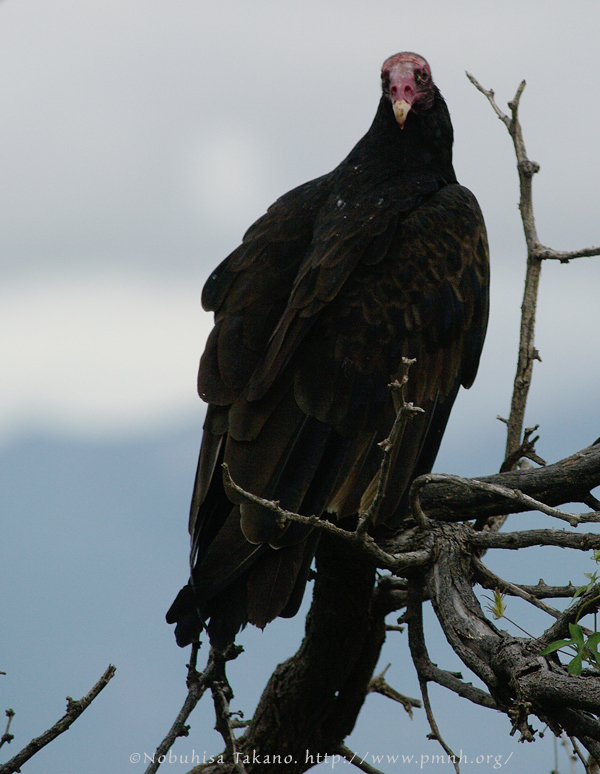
(401,109)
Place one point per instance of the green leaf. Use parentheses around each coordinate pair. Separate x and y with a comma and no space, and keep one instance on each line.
(555,646)
(593,641)
(574,666)
(576,633)
(593,577)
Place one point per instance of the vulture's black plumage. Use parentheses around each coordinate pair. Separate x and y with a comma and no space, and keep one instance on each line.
(383,258)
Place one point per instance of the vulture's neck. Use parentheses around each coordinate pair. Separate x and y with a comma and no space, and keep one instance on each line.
(425,143)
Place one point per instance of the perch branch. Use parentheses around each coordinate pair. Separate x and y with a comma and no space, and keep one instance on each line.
(569,480)
(222,695)
(364,542)
(516,495)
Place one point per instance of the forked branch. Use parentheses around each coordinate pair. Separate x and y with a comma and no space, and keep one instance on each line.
(536,253)
(198,683)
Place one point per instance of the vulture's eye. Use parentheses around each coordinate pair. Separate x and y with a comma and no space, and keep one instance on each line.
(422,75)
(385,81)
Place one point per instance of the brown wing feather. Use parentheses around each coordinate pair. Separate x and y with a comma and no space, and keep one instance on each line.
(427,299)
(249,291)
(356,229)
(306,342)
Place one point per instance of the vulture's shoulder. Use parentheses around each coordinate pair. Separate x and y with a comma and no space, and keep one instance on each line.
(272,246)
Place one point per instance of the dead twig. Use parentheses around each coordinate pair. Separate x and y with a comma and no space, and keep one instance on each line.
(222,695)
(526,449)
(364,542)
(378,684)
(74,710)
(7,737)
(435,731)
(404,414)
(564,256)
(197,683)
(579,754)
(490,580)
(355,760)
(536,253)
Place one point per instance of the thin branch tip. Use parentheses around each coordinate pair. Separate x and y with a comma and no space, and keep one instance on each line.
(74,710)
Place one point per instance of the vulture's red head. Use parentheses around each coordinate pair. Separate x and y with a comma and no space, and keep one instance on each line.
(406,81)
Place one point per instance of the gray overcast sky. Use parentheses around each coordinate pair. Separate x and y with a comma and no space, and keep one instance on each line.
(139,138)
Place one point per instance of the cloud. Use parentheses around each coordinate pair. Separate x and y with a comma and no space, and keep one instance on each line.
(139,140)
(99,354)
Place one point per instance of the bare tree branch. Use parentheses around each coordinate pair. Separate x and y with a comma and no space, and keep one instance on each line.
(536,252)
(525,449)
(516,495)
(542,591)
(198,683)
(435,731)
(521,681)
(7,737)
(564,256)
(490,580)
(222,695)
(430,671)
(404,414)
(569,480)
(355,760)
(378,684)
(534,537)
(577,752)
(74,710)
(363,541)
(527,352)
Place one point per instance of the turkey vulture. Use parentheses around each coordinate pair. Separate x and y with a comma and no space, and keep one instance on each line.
(383,258)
